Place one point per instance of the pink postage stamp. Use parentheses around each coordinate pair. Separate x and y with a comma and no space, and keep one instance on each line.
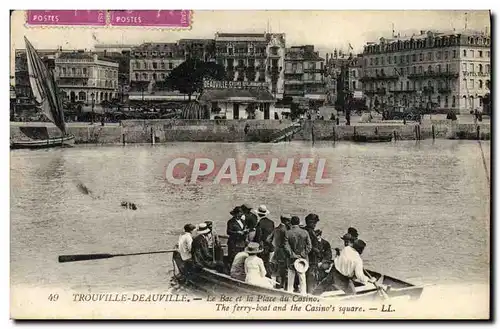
(151,18)
(66,17)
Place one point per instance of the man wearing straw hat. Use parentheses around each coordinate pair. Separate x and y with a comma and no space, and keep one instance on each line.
(202,256)
(264,229)
(298,245)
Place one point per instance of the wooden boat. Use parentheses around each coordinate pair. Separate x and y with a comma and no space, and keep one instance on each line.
(48,98)
(43,143)
(212,282)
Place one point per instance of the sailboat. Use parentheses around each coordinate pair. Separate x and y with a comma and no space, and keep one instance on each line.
(47,97)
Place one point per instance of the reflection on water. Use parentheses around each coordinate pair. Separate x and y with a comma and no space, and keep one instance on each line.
(422,208)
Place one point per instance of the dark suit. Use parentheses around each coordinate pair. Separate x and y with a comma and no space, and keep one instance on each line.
(237,239)
(265,228)
(202,256)
(314,256)
(298,245)
(325,258)
(251,219)
(281,258)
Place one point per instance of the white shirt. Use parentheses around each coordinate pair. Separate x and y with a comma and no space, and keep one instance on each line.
(350,264)
(185,242)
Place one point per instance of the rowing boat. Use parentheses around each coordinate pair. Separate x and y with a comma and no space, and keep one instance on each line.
(43,143)
(212,282)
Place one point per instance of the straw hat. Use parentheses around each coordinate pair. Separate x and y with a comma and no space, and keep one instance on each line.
(301,265)
(262,210)
(203,228)
(253,248)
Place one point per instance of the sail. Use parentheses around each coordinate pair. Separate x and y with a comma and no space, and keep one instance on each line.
(44,88)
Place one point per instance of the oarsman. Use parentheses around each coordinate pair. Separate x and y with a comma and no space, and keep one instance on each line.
(280,259)
(298,245)
(202,256)
(236,230)
(311,222)
(184,247)
(264,229)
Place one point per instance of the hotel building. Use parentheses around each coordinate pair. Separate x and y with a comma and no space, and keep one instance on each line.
(435,70)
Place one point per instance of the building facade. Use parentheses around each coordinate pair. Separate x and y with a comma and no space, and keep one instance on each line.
(151,63)
(304,75)
(253,57)
(343,75)
(202,49)
(86,77)
(433,70)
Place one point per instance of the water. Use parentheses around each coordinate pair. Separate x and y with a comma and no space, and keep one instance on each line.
(422,207)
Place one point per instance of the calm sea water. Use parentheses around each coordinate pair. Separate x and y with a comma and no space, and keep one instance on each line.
(422,207)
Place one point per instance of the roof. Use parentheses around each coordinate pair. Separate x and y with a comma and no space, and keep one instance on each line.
(258,95)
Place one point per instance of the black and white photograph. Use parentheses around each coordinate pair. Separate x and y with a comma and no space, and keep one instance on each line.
(257,164)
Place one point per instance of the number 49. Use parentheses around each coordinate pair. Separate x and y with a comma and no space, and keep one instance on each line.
(53,297)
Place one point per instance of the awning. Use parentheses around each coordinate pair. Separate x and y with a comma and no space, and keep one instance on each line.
(237,95)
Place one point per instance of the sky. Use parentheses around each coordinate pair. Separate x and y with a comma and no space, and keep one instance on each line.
(326,29)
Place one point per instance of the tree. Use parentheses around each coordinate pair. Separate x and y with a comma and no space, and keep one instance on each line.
(188,77)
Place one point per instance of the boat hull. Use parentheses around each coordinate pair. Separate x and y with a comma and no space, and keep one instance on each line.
(212,282)
(44,143)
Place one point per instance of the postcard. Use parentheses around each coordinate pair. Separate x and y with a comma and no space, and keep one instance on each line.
(191,164)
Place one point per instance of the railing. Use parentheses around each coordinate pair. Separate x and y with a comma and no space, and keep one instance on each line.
(424,75)
(286,132)
(294,72)
(293,82)
(73,75)
(314,81)
(380,77)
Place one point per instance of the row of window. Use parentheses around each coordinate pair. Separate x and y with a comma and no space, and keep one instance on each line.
(84,71)
(440,101)
(148,77)
(430,69)
(82,96)
(418,85)
(144,65)
(420,57)
(444,41)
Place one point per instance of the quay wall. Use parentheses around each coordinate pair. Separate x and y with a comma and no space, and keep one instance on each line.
(172,130)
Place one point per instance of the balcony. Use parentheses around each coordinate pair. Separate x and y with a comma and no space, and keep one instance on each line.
(425,75)
(73,75)
(402,91)
(428,90)
(444,90)
(314,81)
(380,77)
(294,92)
(314,70)
(294,82)
(294,71)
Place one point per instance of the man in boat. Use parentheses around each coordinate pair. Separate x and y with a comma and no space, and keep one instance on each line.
(325,255)
(280,259)
(314,254)
(298,245)
(213,242)
(202,257)
(264,229)
(184,245)
(348,238)
(345,268)
(250,217)
(237,231)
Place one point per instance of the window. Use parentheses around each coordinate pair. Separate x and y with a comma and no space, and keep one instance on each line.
(407,85)
(414,70)
(84,71)
(480,68)
(230,51)
(64,70)
(480,53)
(414,57)
(488,54)
(438,101)
(439,68)
(376,60)
(480,101)
(154,76)
(145,76)
(429,56)
(382,60)
(401,59)
(170,66)
(480,82)
(389,60)
(464,67)
(162,65)
(137,76)
(471,84)
(446,55)
(438,55)
(407,58)
(454,54)
(421,57)
(353,73)
(73,71)
(429,69)
(487,68)
(465,53)
(354,85)
(420,69)
(471,66)
(471,53)
(446,101)
(488,84)
(395,59)
(155,65)
(371,61)
(453,101)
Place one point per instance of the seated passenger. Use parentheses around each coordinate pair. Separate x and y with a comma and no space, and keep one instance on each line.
(254,267)
(238,266)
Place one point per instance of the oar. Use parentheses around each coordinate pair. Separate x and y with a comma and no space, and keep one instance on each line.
(81,257)
(379,288)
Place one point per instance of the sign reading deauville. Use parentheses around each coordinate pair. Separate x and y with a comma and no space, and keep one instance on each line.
(216,84)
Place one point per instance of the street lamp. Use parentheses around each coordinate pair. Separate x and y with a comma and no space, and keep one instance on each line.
(92,96)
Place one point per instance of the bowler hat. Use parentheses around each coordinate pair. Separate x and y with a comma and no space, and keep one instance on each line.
(235,211)
(312,218)
(359,245)
(246,206)
(352,231)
